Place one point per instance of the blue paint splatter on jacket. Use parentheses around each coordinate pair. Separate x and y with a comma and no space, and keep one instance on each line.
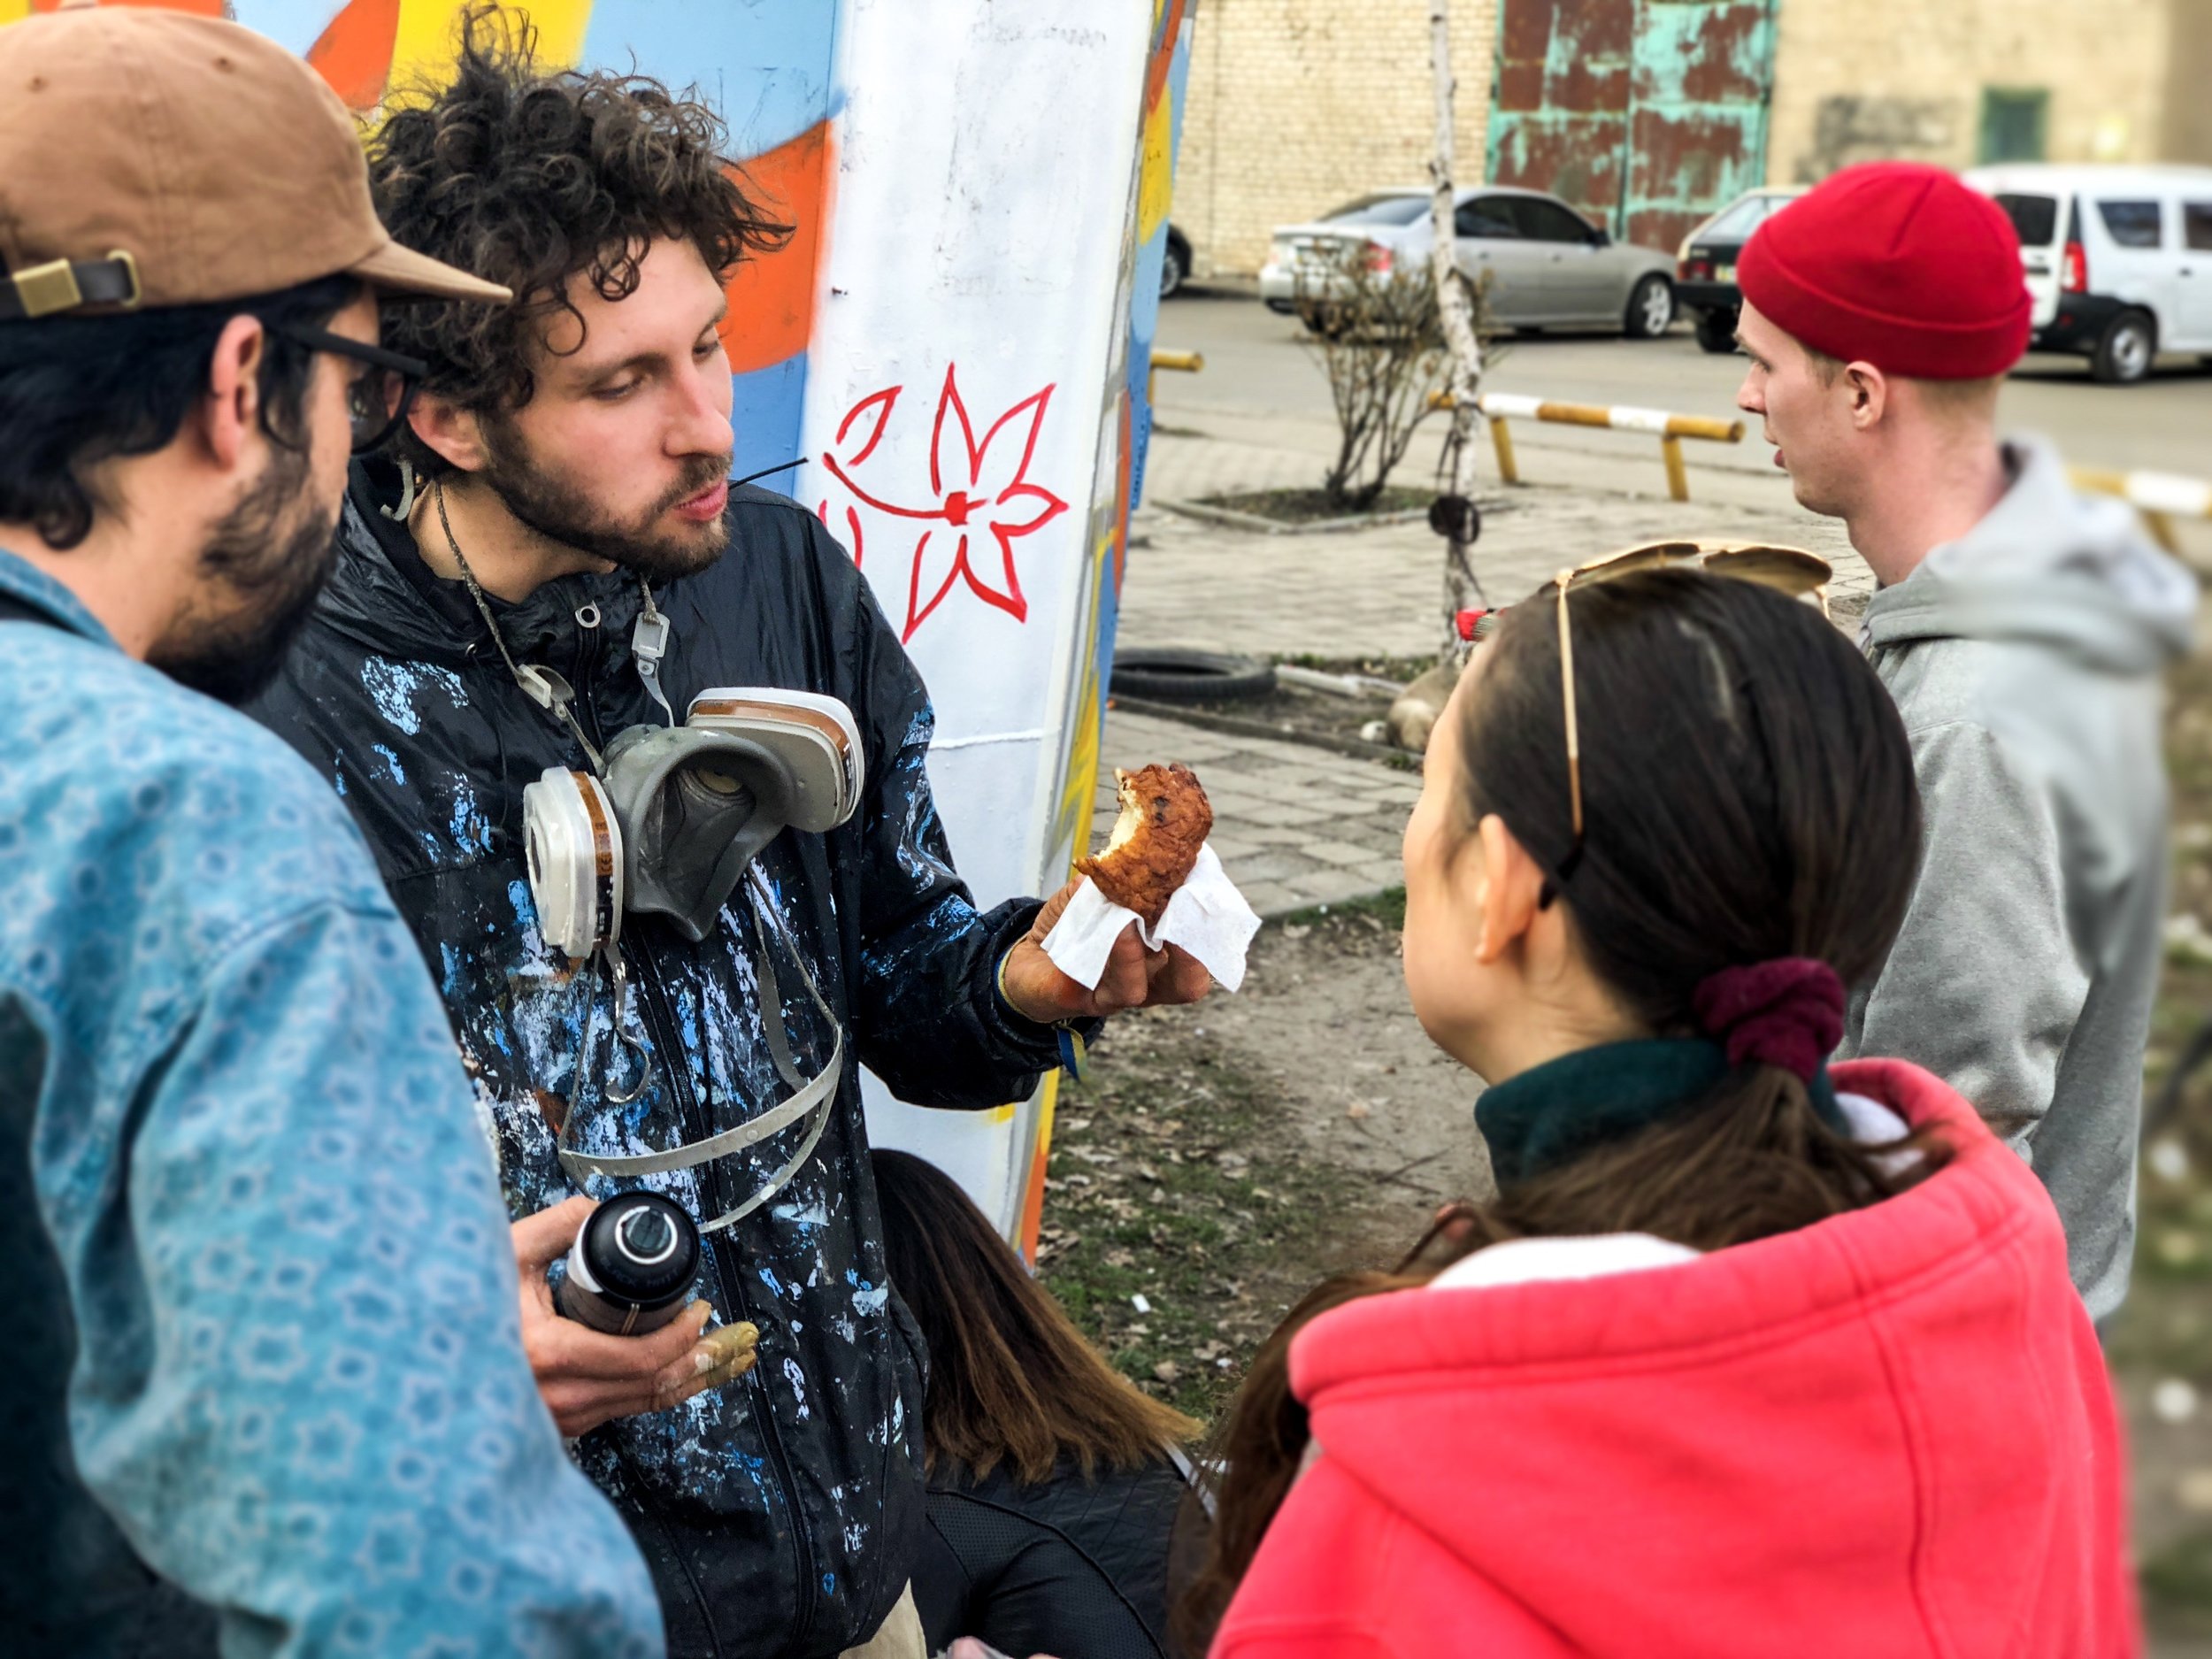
(263,1302)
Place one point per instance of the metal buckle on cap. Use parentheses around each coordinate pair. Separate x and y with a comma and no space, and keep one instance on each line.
(122,257)
(62,285)
(43,289)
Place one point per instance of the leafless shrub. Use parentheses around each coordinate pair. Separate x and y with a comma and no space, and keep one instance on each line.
(1379,341)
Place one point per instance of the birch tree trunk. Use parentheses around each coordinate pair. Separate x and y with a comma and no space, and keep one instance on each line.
(1456,309)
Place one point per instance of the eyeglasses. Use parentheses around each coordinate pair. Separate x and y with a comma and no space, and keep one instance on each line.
(1788,570)
(377,399)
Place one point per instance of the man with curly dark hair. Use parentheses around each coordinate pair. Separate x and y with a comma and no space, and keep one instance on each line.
(553,562)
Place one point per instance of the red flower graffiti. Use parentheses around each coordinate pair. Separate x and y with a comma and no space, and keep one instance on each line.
(977,486)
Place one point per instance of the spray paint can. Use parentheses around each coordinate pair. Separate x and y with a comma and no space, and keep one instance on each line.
(631,1265)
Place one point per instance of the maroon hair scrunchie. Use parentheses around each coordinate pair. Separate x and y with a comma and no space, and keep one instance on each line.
(1788,1012)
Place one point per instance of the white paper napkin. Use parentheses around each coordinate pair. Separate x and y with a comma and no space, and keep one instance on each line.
(1206,916)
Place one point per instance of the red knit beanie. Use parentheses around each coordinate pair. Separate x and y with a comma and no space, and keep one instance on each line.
(1896,263)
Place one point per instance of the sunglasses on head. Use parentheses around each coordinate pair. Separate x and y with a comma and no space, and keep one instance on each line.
(1787,569)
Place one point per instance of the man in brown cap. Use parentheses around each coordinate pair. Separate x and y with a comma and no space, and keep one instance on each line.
(265,1381)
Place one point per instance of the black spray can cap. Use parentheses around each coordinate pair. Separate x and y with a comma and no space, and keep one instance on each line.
(633,1261)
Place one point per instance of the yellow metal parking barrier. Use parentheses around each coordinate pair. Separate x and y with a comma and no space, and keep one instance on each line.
(1181,362)
(2161,497)
(1499,407)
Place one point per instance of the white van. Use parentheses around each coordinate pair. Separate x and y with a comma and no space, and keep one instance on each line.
(2118,259)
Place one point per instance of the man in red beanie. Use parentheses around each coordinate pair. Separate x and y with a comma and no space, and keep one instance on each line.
(2022,630)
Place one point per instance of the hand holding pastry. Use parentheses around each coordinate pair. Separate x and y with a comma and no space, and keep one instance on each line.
(1164,821)
(1135,977)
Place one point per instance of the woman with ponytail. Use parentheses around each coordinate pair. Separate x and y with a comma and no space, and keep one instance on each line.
(1747,1356)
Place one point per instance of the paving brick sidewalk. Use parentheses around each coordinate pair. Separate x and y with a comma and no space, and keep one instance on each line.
(1294,825)
(1376,592)
(1298,826)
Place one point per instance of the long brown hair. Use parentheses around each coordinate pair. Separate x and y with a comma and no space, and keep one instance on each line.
(1748,794)
(1011,1380)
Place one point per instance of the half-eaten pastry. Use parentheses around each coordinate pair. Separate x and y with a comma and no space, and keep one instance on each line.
(1164,820)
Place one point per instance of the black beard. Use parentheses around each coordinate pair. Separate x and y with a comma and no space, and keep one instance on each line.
(269,571)
(560,513)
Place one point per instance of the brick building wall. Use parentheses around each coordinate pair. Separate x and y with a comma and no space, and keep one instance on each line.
(1862,79)
(1297,105)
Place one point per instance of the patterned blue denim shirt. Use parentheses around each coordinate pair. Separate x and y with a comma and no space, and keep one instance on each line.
(240,1166)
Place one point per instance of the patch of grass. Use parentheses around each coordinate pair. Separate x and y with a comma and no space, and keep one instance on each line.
(1162,1186)
(1388,907)
(1404,669)
(2178,1586)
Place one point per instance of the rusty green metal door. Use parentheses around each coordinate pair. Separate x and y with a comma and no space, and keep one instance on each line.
(1646,115)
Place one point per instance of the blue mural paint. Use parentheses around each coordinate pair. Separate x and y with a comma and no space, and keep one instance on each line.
(772,62)
(391,763)
(764,410)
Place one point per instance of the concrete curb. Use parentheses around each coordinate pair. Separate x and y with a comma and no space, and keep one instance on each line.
(1233,726)
(1252,521)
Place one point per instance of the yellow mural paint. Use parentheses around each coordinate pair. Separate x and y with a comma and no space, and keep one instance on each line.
(14,10)
(428,39)
(1158,168)
(1032,1213)
(1078,794)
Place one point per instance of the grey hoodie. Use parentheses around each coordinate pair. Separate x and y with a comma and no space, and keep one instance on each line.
(2025,659)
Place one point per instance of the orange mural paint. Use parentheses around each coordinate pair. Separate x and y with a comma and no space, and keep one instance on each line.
(772,297)
(354,53)
(1162,59)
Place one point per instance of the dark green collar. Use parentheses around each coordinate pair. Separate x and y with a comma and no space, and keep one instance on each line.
(1553,1113)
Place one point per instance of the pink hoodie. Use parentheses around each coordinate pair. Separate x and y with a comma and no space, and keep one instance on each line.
(1889,1435)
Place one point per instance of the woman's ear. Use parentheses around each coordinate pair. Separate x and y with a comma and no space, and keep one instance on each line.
(452,431)
(1512,886)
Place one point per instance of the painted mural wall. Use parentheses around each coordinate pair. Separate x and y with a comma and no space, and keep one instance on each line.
(1647,115)
(954,339)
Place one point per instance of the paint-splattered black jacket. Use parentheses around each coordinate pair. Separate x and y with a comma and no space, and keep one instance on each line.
(780,1512)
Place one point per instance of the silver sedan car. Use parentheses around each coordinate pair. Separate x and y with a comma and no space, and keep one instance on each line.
(1545,262)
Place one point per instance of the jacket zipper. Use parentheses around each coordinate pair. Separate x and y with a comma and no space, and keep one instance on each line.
(652,998)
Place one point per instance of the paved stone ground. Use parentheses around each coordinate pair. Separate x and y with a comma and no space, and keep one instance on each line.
(1356,591)
(1294,825)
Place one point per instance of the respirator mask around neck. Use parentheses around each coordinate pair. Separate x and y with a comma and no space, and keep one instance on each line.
(670,825)
(668,822)
(677,813)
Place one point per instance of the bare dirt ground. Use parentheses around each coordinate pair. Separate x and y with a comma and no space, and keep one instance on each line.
(1225,1157)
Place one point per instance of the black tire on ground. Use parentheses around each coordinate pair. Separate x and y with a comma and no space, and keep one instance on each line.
(1174,266)
(1171,675)
(1650,308)
(2126,350)
(1716,331)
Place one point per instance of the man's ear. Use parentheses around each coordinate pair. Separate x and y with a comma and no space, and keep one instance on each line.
(1511,883)
(230,414)
(1870,394)
(450,430)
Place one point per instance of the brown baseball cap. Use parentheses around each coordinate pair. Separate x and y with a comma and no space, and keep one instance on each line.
(149,157)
